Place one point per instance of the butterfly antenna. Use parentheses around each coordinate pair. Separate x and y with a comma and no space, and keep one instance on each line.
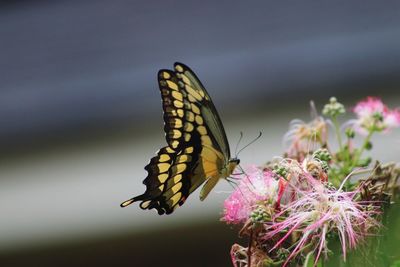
(255,139)
(237,144)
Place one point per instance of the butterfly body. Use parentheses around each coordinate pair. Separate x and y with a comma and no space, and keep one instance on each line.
(224,172)
(197,152)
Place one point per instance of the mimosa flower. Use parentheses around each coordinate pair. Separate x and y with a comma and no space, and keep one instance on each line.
(289,209)
(373,115)
(319,212)
(255,186)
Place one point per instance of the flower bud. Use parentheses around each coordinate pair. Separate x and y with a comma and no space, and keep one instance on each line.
(333,108)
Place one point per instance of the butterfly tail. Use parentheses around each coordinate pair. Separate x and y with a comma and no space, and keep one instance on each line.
(132,200)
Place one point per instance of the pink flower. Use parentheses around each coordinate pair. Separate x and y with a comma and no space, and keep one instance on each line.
(392,118)
(373,115)
(369,106)
(255,186)
(316,213)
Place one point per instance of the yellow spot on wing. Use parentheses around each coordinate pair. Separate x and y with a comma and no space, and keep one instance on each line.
(175,134)
(169,150)
(145,204)
(176,187)
(162,177)
(188,127)
(180,112)
(201,93)
(178,168)
(166,75)
(127,203)
(195,109)
(176,123)
(185,79)
(178,104)
(199,119)
(177,178)
(163,167)
(187,137)
(193,92)
(172,85)
(192,99)
(177,95)
(189,116)
(202,130)
(183,158)
(174,144)
(189,150)
(179,68)
(175,198)
(164,158)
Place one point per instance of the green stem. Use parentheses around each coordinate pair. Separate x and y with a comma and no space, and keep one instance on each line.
(359,153)
(337,130)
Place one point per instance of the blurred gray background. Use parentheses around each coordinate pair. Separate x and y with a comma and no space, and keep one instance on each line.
(80,112)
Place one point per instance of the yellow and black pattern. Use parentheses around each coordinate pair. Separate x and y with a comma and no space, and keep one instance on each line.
(197,149)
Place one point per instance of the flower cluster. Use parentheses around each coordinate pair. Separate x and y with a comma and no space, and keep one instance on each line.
(258,186)
(292,206)
(373,115)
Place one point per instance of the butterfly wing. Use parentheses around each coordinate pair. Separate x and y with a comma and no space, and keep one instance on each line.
(198,94)
(197,145)
(215,147)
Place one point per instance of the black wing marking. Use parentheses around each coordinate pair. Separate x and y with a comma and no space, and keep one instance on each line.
(158,174)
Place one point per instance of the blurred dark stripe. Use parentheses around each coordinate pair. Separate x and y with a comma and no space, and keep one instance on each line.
(193,245)
(90,66)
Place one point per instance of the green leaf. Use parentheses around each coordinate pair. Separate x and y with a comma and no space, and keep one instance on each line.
(310,260)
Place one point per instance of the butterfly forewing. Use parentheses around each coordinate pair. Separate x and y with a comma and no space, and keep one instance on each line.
(208,110)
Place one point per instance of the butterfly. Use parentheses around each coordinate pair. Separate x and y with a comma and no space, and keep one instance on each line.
(197,152)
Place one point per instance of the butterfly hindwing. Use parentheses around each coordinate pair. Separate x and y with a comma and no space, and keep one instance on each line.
(158,173)
(178,185)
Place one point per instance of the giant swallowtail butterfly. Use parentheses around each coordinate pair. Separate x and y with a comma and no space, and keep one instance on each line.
(197,151)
